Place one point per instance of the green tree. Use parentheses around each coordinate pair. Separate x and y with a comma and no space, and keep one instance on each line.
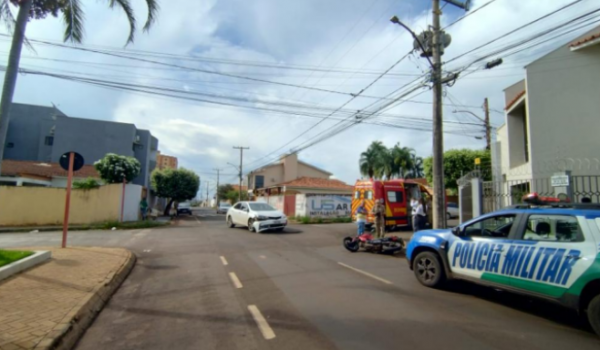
(372,160)
(233,196)
(417,171)
(223,190)
(401,159)
(459,162)
(113,168)
(73,17)
(175,184)
(380,162)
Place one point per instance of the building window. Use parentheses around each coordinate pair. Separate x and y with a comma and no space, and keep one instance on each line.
(259,181)
(395,196)
(49,141)
(10,145)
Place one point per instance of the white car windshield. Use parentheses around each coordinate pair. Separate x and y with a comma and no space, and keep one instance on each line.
(261,207)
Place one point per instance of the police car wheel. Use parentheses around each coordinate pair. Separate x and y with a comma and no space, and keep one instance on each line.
(428,269)
(593,313)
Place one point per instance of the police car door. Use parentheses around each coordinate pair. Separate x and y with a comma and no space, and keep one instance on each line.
(479,249)
(551,251)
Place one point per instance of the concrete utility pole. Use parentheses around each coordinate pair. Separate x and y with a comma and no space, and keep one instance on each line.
(434,48)
(217,193)
(241,148)
(488,127)
(439,194)
(207,200)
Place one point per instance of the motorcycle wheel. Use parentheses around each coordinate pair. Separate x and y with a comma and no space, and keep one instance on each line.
(393,247)
(351,245)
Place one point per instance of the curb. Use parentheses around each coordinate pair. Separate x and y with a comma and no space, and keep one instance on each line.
(65,335)
(14,268)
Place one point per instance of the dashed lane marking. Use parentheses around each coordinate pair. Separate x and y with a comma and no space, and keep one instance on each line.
(261,322)
(262,256)
(235,280)
(224,261)
(365,273)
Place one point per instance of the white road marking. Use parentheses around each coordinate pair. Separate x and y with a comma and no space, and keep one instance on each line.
(365,273)
(262,324)
(224,261)
(147,250)
(262,256)
(235,280)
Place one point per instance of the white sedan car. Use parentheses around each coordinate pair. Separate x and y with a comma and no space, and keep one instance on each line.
(258,217)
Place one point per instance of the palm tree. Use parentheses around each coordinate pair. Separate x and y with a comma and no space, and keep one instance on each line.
(417,171)
(73,17)
(401,158)
(371,160)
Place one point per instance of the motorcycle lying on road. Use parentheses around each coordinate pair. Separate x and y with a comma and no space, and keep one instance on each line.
(366,241)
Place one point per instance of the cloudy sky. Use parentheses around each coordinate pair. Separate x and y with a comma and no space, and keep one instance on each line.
(336,45)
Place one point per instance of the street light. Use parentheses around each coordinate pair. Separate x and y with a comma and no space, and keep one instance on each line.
(486,126)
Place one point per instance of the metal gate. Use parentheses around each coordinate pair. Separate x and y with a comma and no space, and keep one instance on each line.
(586,187)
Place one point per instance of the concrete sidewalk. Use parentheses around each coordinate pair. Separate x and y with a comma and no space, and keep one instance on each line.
(50,306)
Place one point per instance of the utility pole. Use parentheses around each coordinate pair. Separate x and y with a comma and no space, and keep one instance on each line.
(439,194)
(217,193)
(432,44)
(488,128)
(207,201)
(241,148)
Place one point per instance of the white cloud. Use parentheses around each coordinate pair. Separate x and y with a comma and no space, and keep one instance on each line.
(307,33)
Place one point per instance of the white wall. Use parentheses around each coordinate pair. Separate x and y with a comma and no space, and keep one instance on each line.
(323,205)
(563,91)
(133,196)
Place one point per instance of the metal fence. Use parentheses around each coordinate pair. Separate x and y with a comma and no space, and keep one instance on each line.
(501,194)
(586,187)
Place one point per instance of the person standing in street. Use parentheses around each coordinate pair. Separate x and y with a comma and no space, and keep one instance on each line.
(361,217)
(379,213)
(144,208)
(421,215)
(414,203)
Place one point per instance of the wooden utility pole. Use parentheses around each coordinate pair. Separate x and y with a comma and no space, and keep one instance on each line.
(439,194)
(488,128)
(241,148)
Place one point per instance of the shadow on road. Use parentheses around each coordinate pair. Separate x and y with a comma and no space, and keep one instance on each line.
(537,307)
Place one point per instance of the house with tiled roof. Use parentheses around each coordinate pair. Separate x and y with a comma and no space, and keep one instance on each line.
(299,188)
(552,117)
(40,174)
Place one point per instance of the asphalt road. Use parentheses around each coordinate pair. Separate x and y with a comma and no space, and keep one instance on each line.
(181,295)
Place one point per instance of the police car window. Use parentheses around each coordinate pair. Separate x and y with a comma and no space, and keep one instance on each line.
(492,227)
(368,194)
(553,228)
(395,196)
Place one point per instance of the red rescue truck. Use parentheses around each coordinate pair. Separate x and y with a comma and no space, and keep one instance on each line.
(396,195)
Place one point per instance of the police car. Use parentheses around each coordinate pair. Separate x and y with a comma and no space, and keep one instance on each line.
(543,248)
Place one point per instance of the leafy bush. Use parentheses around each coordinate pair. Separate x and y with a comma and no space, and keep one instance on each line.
(87,184)
(113,168)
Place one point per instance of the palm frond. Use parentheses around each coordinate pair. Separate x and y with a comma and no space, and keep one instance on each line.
(73,17)
(153,8)
(126,6)
(6,16)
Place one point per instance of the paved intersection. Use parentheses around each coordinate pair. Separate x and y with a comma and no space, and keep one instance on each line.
(202,285)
